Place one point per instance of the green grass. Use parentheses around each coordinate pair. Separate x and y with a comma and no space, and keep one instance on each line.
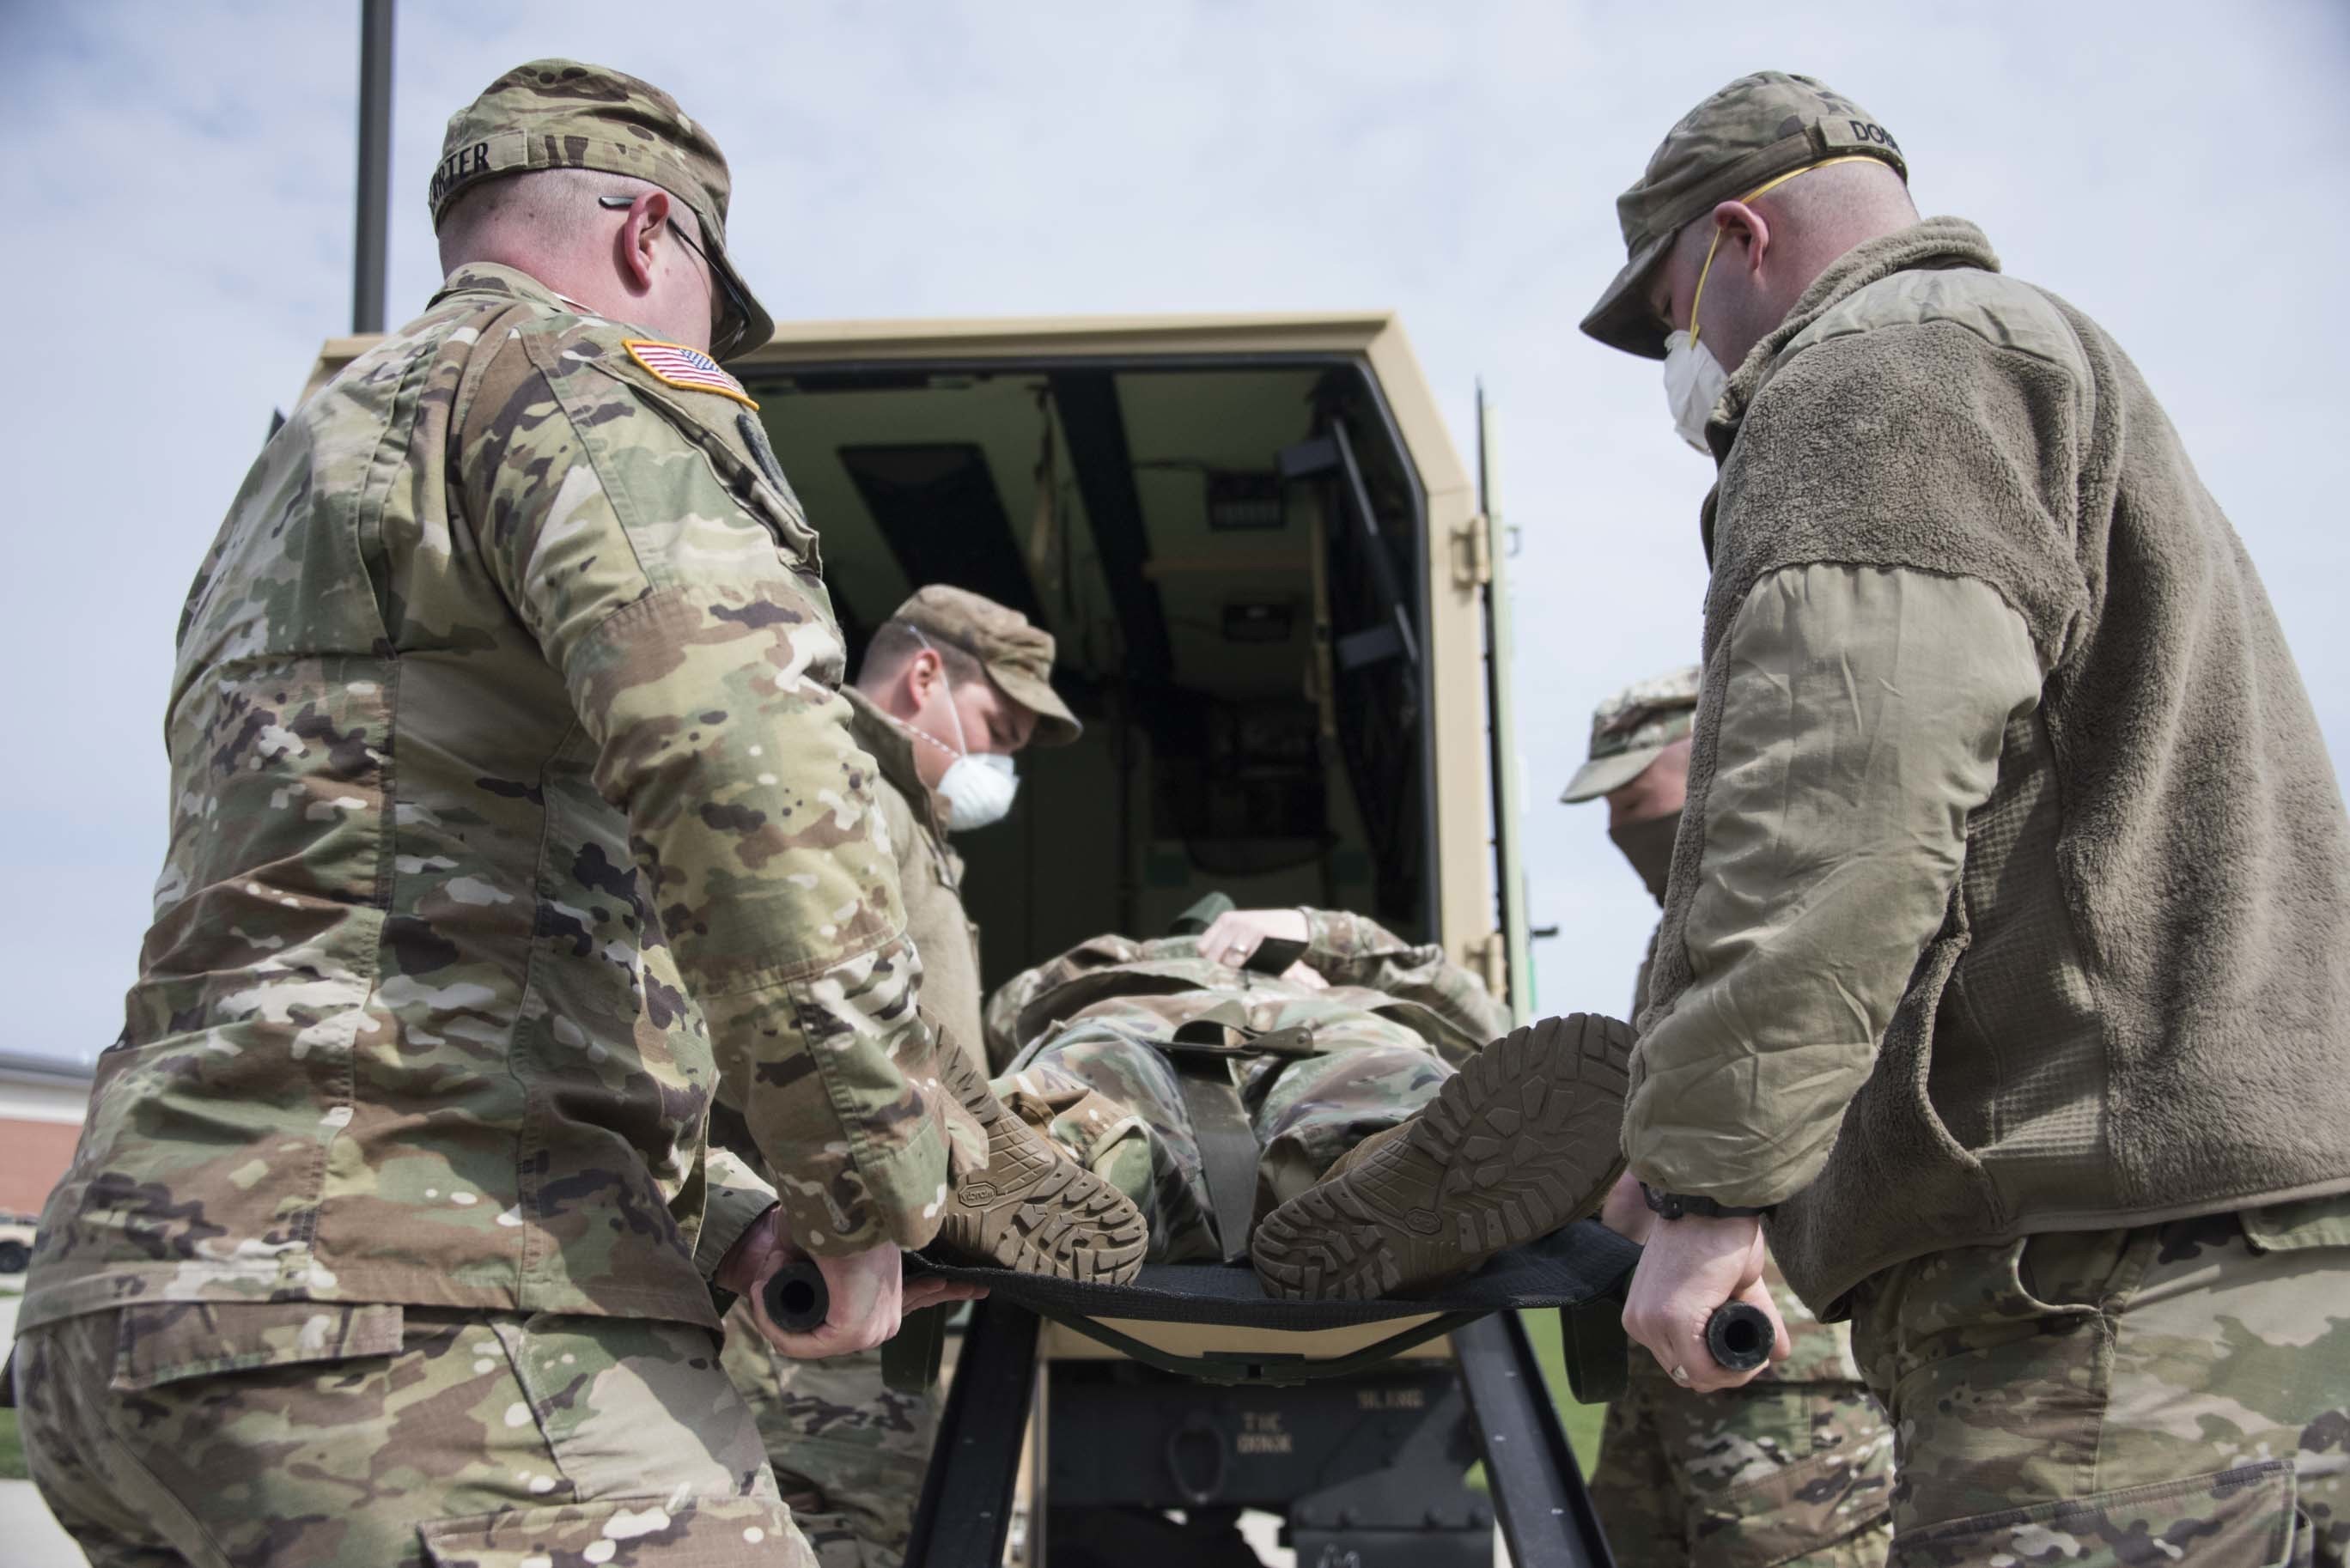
(12,1449)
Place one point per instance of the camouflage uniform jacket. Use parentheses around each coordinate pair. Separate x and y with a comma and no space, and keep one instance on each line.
(1381,989)
(929,875)
(509,776)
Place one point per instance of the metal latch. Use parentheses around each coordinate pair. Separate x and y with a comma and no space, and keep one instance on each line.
(1473,552)
(1490,954)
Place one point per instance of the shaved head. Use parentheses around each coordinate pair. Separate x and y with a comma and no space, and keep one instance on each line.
(608,241)
(1844,203)
(545,211)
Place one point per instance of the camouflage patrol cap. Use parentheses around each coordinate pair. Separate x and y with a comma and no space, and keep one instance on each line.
(561,114)
(1017,657)
(1630,728)
(1751,131)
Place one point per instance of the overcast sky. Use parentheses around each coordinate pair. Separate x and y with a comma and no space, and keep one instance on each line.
(178,178)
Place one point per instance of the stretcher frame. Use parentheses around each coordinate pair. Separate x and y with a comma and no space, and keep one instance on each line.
(1541,1503)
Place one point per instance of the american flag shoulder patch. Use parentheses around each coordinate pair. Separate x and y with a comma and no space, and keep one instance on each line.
(687,369)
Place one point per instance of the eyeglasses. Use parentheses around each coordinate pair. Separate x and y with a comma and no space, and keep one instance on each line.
(740,307)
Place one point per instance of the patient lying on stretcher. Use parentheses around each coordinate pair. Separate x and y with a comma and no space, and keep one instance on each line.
(1303,1042)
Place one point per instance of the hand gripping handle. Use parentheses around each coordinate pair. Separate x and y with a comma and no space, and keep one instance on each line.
(800,1301)
(1740,1335)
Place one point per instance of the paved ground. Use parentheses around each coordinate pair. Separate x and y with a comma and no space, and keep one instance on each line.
(32,1538)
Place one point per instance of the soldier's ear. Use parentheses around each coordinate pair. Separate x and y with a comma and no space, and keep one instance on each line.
(902,691)
(922,673)
(643,231)
(1745,233)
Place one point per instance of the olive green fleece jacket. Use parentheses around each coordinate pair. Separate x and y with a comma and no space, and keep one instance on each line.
(2019,897)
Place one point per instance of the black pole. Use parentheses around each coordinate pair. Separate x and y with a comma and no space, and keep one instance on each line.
(375,165)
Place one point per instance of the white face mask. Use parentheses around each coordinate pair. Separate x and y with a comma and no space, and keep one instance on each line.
(1694,382)
(979,786)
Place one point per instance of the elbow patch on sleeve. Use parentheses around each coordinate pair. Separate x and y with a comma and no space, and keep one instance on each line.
(1860,721)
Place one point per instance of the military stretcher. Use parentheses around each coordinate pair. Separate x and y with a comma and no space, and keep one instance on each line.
(1388,1483)
(1388,1490)
(1398,1496)
(1213,1322)
(1381,1493)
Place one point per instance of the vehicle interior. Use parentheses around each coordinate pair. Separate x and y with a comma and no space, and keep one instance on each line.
(1228,556)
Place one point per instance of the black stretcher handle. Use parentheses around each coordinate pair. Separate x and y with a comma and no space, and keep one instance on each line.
(797,1299)
(1740,1335)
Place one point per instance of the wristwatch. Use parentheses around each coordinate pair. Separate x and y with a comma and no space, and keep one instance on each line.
(1673,1205)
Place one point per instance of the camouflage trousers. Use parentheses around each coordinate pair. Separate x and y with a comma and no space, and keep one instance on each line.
(1795,1468)
(848,1452)
(1108,1095)
(1773,1473)
(294,1434)
(2175,1393)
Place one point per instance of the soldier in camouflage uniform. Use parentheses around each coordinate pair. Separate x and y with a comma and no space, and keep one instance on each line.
(1794,1468)
(1325,1059)
(2002,967)
(950,674)
(1365,1027)
(512,793)
(950,682)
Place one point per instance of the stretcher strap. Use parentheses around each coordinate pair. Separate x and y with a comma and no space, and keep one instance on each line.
(1227,1144)
(1223,1031)
(910,1361)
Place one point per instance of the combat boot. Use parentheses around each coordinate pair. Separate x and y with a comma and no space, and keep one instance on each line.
(1031,1208)
(1523,1140)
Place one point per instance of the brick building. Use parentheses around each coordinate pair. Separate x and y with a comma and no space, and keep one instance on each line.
(41,1103)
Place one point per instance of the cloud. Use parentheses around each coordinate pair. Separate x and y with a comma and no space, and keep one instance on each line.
(182,179)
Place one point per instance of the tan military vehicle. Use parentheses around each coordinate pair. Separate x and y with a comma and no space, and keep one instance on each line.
(1273,585)
(16,1232)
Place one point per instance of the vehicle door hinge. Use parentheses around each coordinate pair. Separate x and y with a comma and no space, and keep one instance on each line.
(1491,954)
(1473,553)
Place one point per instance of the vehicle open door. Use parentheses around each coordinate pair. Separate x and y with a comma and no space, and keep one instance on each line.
(1488,560)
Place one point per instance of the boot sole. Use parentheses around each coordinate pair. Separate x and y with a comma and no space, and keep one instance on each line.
(1034,1209)
(1522,1141)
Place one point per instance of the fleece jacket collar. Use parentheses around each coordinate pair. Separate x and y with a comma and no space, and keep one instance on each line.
(1936,242)
(1930,244)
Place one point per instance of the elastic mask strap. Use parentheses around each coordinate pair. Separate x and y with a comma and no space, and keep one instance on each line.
(961,745)
(1764,189)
